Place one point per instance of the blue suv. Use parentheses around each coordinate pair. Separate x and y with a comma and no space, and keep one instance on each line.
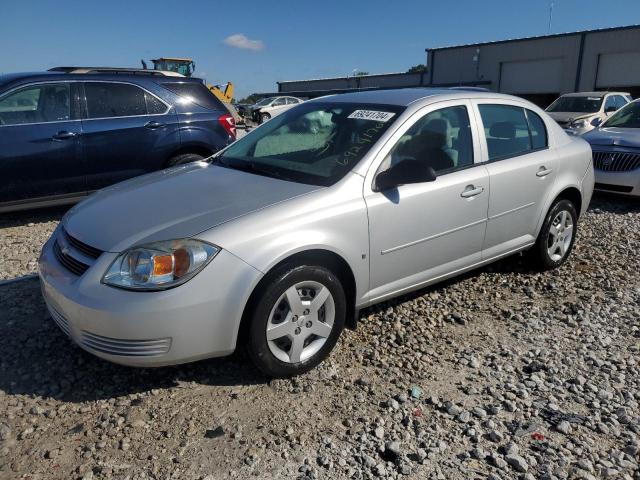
(67,132)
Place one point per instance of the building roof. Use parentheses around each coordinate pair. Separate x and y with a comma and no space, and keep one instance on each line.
(536,37)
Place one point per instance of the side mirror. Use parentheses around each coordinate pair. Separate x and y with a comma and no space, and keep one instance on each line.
(403,173)
(610,109)
(596,122)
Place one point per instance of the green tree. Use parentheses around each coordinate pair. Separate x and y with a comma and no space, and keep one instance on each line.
(417,69)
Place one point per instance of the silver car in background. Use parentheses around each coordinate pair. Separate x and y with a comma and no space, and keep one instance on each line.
(280,239)
(581,112)
(616,152)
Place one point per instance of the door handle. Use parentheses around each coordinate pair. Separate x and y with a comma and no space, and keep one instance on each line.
(471,191)
(64,135)
(543,171)
(152,125)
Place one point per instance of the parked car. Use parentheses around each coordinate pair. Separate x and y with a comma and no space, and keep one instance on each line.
(616,151)
(268,108)
(63,135)
(581,112)
(280,241)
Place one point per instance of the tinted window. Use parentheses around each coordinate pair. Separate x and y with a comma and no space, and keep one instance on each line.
(620,101)
(537,129)
(506,130)
(441,138)
(154,105)
(196,93)
(610,103)
(106,100)
(315,143)
(36,104)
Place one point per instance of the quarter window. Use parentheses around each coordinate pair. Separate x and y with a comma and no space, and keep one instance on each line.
(538,131)
(36,104)
(106,100)
(508,132)
(154,105)
(441,138)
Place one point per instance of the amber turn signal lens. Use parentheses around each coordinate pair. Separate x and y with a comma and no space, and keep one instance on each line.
(162,265)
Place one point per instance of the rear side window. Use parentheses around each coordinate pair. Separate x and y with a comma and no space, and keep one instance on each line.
(106,100)
(510,132)
(36,104)
(538,130)
(196,93)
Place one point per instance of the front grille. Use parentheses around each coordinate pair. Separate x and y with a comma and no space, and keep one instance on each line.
(74,266)
(87,250)
(59,319)
(130,348)
(613,188)
(616,161)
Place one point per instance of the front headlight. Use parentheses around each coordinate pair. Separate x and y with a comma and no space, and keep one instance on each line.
(160,265)
(578,124)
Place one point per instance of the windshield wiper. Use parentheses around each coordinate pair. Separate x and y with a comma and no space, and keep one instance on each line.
(251,167)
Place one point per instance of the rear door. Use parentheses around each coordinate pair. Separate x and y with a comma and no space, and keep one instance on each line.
(127,131)
(40,152)
(522,170)
(278,106)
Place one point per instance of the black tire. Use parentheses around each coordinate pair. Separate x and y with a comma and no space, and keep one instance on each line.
(274,287)
(264,117)
(184,158)
(539,255)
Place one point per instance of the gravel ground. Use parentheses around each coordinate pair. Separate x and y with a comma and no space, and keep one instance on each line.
(503,373)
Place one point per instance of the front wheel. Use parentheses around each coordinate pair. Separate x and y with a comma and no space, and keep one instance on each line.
(556,238)
(264,117)
(296,321)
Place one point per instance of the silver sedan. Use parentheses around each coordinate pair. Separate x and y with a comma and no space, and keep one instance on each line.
(278,241)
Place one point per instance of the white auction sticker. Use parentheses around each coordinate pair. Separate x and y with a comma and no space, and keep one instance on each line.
(372,115)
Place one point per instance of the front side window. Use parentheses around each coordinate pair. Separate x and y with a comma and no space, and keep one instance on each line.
(610,104)
(506,130)
(316,143)
(36,104)
(106,100)
(441,138)
(620,101)
(626,117)
(576,104)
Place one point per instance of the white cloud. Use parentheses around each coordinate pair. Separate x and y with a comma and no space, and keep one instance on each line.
(239,40)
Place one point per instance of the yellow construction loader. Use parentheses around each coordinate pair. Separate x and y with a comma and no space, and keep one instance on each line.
(186,67)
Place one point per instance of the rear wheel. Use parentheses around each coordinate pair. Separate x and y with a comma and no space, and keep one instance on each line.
(296,321)
(184,158)
(556,238)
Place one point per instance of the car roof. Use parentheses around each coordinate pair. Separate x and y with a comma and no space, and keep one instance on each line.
(23,77)
(406,96)
(593,94)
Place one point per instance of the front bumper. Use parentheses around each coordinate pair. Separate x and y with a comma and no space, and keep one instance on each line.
(196,320)
(623,183)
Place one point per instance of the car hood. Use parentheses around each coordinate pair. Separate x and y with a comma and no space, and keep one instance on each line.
(570,116)
(622,137)
(175,203)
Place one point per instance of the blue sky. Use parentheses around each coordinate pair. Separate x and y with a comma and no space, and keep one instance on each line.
(277,40)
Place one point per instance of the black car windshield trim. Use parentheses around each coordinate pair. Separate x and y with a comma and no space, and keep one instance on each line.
(315,143)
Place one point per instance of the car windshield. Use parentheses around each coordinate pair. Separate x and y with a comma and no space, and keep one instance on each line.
(314,143)
(576,104)
(626,117)
(265,101)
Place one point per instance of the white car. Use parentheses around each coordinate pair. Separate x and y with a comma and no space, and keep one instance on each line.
(581,112)
(268,108)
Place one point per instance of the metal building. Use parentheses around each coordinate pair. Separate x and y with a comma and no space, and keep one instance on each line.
(537,68)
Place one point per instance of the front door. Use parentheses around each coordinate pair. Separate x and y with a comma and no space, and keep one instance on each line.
(422,232)
(522,171)
(40,152)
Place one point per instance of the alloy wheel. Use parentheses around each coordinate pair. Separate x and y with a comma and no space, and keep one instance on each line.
(560,236)
(300,322)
